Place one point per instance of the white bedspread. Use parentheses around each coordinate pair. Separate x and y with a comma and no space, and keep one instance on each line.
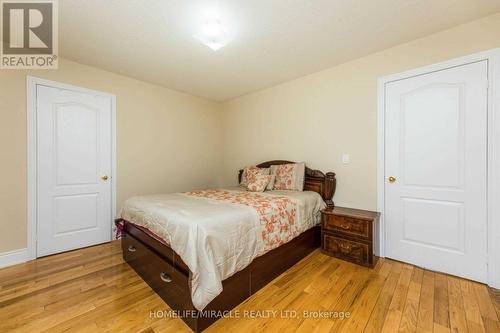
(220,232)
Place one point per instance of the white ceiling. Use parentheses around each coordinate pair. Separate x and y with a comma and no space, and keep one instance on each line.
(274,40)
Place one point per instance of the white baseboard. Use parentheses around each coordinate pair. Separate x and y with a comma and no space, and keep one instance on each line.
(13,257)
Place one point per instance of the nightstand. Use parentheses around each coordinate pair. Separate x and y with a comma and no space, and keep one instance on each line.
(347,234)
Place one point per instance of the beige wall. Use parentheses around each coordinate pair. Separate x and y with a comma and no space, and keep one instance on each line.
(167,141)
(318,117)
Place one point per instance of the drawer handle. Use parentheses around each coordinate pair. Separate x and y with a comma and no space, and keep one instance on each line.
(132,248)
(345,226)
(345,247)
(165,277)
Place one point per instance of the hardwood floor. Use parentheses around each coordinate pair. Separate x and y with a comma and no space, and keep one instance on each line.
(93,290)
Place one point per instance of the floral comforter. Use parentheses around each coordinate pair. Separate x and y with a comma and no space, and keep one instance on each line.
(220,232)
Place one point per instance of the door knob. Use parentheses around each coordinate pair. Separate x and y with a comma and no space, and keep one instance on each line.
(105,177)
(392,179)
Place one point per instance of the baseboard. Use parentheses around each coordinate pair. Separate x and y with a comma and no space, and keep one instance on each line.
(13,257)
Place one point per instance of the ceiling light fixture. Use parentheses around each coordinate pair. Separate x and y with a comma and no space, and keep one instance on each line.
(214,34)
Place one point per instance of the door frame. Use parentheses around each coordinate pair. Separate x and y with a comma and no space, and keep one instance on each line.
(32,206)
(493,163)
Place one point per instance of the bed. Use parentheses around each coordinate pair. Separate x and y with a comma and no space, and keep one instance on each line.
(182,263)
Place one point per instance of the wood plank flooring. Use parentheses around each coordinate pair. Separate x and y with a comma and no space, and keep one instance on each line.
(93,290)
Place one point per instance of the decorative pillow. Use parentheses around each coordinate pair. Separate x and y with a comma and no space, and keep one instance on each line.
(260,183)
(249,174)
(289,176)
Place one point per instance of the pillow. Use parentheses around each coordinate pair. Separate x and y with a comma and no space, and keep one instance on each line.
(249,174)
(289,176)
(260,183)
(270,186)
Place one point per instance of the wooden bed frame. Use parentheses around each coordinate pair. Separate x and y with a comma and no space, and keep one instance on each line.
(168,275)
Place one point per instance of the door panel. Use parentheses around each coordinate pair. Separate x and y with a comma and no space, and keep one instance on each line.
(436,148)
(74,151)
(426,112)
(77,144)
(444,217)
(65,219)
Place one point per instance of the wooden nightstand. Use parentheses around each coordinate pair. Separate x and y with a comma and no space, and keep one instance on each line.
(347,234)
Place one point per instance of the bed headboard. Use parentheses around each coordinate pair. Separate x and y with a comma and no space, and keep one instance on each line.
(314,180)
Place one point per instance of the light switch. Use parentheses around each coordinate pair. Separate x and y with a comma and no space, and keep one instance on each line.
(346,159)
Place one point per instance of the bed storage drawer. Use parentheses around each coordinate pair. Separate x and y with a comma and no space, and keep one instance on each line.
(134,252)
(164,251)
(158,273)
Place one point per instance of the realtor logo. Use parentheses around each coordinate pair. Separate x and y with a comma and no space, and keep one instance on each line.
(29,34)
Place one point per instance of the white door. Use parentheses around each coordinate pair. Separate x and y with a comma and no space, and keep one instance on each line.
(436,152)
(74,158)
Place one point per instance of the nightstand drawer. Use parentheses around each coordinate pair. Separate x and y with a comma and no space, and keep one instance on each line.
(350,250)
(347,225)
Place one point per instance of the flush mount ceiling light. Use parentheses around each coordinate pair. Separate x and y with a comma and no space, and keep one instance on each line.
(214,34)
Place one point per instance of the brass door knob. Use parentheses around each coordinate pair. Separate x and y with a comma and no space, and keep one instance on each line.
(392,179)
(105,177)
